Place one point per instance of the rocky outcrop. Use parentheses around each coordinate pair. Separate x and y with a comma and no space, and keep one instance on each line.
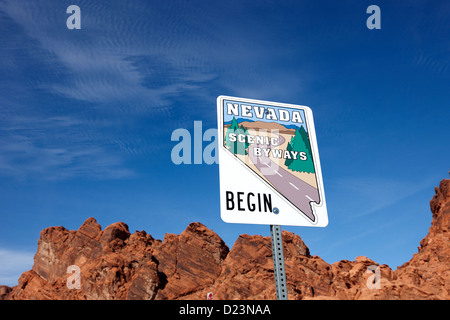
(115,264)
(190,262)
(427,274)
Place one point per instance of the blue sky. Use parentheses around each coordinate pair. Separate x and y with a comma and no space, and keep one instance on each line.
(86,116)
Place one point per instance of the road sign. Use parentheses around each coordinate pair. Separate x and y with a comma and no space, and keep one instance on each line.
(269,164)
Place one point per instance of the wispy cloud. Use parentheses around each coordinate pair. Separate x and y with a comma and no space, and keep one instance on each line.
(128,61)
(99,86)
(54,148)
(99,59)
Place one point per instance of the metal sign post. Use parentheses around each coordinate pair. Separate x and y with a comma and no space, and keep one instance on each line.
(278,262)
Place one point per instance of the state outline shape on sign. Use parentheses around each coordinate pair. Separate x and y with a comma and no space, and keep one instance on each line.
(309,123)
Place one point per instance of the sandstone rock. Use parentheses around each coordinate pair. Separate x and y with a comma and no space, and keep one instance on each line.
(4,292)
(427,274)
(247,271)
(115,264)
(190,262)
(114,236)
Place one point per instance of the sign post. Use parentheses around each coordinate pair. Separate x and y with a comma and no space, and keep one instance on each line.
(278,262)
(269,169)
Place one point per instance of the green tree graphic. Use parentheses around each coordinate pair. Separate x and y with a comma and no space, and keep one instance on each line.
(305,138)
(237,147)
(288,161)
(300,143)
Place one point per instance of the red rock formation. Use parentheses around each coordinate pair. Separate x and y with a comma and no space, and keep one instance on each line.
(190,262)
(427,274)
(115,264)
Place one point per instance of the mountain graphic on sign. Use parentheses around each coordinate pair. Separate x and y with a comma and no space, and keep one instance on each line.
(279,155)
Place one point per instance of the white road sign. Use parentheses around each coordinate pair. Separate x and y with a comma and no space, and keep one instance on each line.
(269,164)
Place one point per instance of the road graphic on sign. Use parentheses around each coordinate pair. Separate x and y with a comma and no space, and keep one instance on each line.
(297,191)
